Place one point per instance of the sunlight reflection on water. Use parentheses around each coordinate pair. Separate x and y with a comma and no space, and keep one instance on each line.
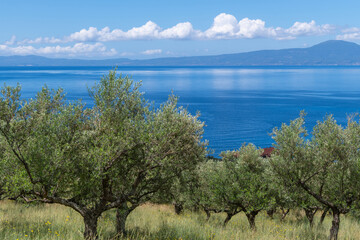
(238,104)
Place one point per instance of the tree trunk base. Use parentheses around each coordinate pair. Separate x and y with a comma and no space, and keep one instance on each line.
(335,225)
(208,214)
(90,222)
(323,215)
(251,219)
(228,218)
(284,213)
(271,212)
(122,214)
(310,213)
(178,208)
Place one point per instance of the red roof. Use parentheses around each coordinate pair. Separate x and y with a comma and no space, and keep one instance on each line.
(267,152)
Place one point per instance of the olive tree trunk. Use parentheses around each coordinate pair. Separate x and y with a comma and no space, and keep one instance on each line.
(284,213)
(121,215)
(90,221)
(310,213)
(251,219)
(229,215)
(335,224)
(323,215)
(208,214)
(271,212)
(178,208)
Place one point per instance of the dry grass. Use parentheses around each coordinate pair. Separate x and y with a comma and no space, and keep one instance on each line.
(22,221)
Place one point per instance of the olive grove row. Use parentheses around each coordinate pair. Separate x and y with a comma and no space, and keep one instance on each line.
(123,151)
(321,173)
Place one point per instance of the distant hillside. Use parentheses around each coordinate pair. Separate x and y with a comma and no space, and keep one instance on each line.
(32,60)
(333,52)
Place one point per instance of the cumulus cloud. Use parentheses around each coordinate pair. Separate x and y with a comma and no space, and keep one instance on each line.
(86,35)
(179,31)
(308,29)
(148,31)
(249,28)
(349,34)
(224,26)
(40,40)
(152,51)
(93,34)
(90,41)
(78,49)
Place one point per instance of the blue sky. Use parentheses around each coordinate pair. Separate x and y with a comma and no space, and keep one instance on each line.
(148,29)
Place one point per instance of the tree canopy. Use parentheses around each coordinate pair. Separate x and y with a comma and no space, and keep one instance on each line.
(121,150)
(326,167)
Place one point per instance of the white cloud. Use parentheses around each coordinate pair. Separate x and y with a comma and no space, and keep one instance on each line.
(225,26)
(148,31)
(349,34)
(308,29)
(152,51)
(93,35)
(179,31)
(40,40)
(78,49)
(254,29)
(84,35)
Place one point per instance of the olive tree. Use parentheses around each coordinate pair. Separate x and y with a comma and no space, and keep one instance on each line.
(213,188)
(202,192)
(289,196)
(282,197)
(250,186)
(171,148)
(194,190)
(117,153)
(238,183)
(3,171)
(326,167)
(183,193)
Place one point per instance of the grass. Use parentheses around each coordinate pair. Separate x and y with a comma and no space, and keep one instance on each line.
(151,222)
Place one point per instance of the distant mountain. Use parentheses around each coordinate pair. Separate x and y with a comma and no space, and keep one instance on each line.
(32,60)
(333,52)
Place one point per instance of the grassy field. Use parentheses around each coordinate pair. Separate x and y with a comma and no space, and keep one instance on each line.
(22,221)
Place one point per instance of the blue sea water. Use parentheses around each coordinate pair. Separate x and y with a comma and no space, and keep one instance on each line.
(237,104)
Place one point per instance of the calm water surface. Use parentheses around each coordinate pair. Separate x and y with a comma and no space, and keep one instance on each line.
(238,104)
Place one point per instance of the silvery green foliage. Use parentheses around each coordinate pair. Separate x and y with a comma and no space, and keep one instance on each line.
(326,167)
(236,184)
(121,150)
(246,173)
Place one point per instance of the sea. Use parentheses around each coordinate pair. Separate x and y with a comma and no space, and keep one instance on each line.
(238,104)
